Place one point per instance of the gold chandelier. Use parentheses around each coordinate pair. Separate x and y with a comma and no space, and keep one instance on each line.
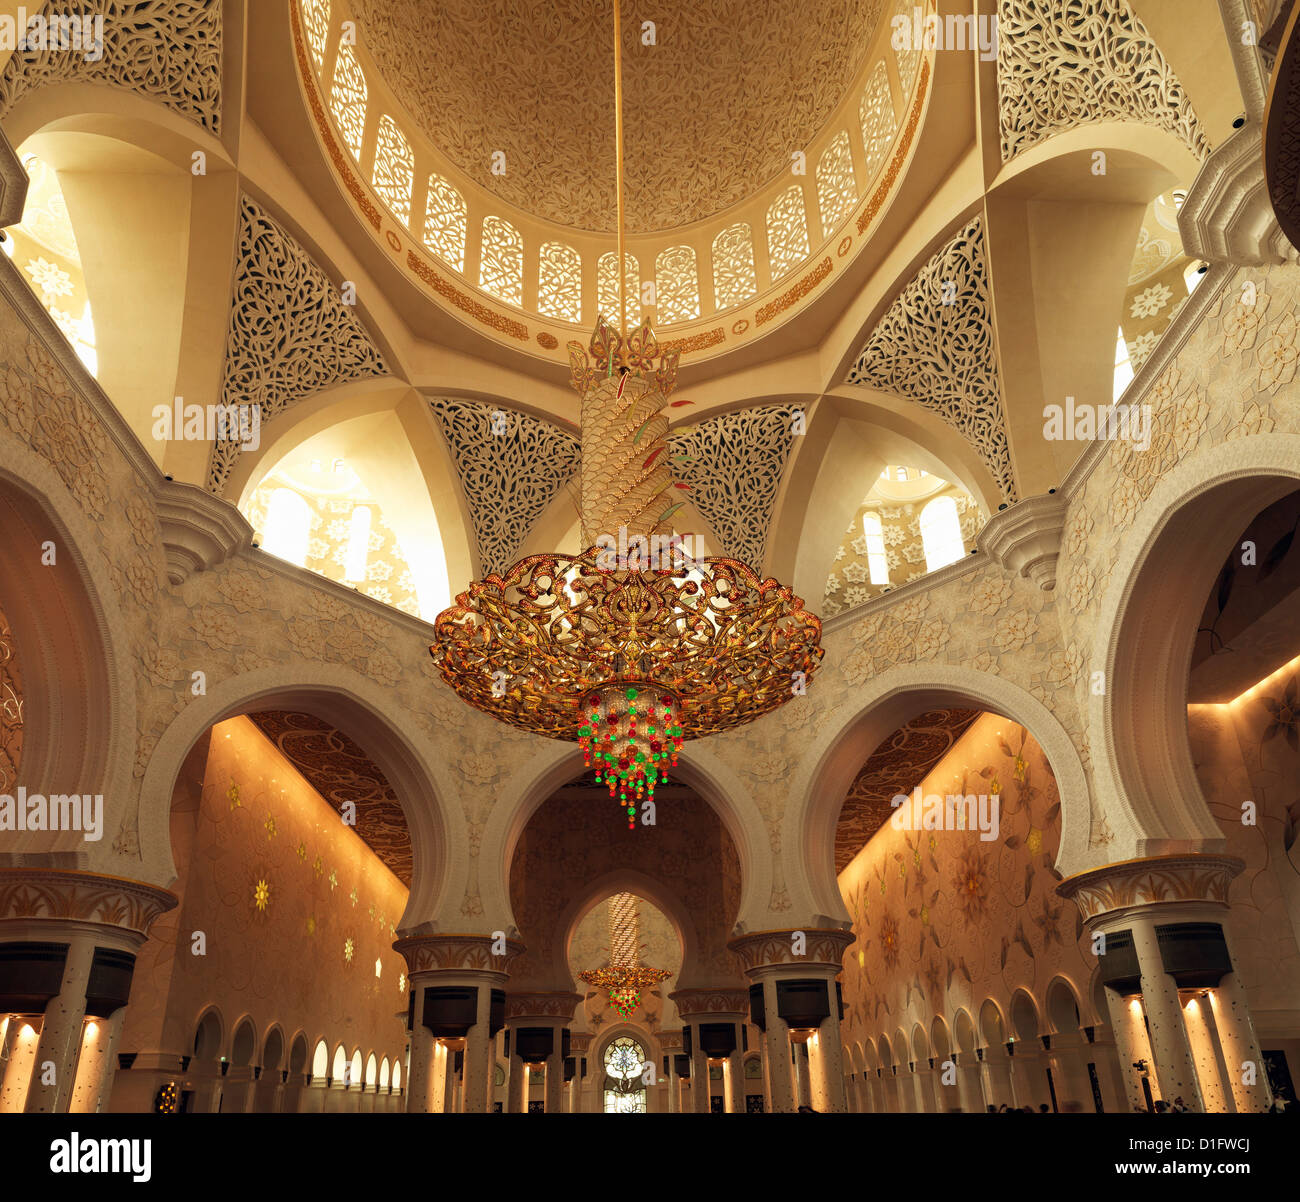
(632,646)
(624,978)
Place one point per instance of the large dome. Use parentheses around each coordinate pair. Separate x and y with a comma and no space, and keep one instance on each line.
(714,108)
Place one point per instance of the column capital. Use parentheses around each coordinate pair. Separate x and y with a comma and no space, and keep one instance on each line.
(455,953)
(39,897)
(541,1009)
(824,949)
(670,1041)
(705,1003)
(1155,880)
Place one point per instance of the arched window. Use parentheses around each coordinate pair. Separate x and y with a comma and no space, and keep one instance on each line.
(559,285)
(877,561)
(941,533)
(876,112)
(501,262)
(394,172)
(320,1062)
(787,232)
(734,280)
(444,222)
(1123,366)
(677,287)
(354,1074)
(340,1064)
(607,288)
(624,1089)
(371,1071)
(288,526)
(348,99)
(836,188)
(397,1077)
(316,17)
(354,563)
(383,1073)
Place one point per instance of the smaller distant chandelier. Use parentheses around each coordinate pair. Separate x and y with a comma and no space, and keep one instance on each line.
(625,978)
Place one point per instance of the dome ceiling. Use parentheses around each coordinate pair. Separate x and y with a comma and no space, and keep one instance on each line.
(741,84)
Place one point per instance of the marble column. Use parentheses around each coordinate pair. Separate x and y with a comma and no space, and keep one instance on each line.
(734,1074)
(420,1087)
(1251,1091)
(996,1066)
(555,1079)
(1140,896)
(674,1086)
(62,1031)
(701,1084)
(1172,1052)
(22,1034)
(516,1082)
(826,1056)
(1128,1026)
(802,1076)
(479,1062)
(779,1084)
(96,1064)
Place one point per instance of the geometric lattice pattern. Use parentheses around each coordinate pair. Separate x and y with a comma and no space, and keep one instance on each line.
(511,467)
(167,51)
(876,112)
(733,464)
(1063,63)
(290,334)
(935,346)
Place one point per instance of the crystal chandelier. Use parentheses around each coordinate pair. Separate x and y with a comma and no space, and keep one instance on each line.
(633,646)
(624,978)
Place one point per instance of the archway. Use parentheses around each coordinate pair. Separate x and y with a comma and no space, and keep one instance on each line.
(349,703)
(1147,629)
(883,706)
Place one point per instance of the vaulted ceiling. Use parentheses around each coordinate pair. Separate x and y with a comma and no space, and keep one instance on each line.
(713,107)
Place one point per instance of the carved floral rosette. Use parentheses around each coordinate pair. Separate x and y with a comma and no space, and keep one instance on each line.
(541,1006)
(68,896)
(1154,881)
(455,953)
(691,1002)
(824,948)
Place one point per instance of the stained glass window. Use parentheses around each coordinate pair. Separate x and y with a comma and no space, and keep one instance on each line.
(559,288)
(624,1063)
(836,189)
(444,223)
(316,16)
(501,262)
(607,288)
(787,232)
(876,112)
(348,99)
(394,171)
(734,280)
(677,287)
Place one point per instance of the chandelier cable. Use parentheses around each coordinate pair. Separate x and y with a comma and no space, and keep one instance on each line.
(618,171)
